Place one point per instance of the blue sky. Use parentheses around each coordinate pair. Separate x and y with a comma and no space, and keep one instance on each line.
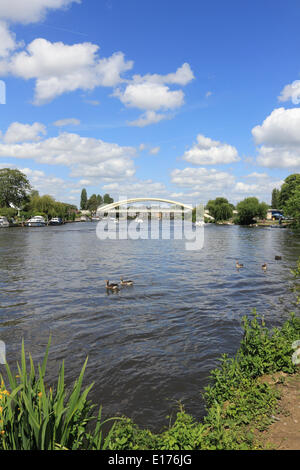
(188,100)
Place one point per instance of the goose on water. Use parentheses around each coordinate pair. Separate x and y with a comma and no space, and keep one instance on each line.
(111,286)
(126,283)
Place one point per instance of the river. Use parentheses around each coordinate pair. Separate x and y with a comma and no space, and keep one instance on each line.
(152,344)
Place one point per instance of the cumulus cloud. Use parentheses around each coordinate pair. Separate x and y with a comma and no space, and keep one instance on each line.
(86,157)
(18,132)
(152,94)
(202,178)
(182,76)
(136,188)
(7,41)
(59,68)
(210,152)
(291,92)
(34,11)
(279,139)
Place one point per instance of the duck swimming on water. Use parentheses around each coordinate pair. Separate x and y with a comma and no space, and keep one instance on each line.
(238,265)
(264,267)
(112,286)
(126,283)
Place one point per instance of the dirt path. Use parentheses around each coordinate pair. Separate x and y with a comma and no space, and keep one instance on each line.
(284,433)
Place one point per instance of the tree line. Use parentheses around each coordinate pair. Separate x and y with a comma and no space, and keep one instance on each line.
(285,199)
(17,193)
(18,197)
(94,201)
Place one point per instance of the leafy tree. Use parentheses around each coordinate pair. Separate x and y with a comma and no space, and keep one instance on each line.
(275,198)
(220,209)
(83,200)
(250,209)
(99,200)
(107,199)
(92,203)
(49,207)
(290,185)
(292,207)
(14,187)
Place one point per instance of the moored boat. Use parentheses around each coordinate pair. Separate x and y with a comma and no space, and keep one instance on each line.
(36,221)
(4,222)
(56,221)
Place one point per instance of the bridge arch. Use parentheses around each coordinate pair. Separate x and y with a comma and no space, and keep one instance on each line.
(109,207)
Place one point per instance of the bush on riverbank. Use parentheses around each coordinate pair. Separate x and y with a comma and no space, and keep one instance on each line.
(237,403)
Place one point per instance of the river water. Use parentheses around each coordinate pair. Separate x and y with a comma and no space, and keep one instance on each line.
(150,345)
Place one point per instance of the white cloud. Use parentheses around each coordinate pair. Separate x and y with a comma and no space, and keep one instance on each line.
(7,40)
(210,152)
(262,191)
(182,76)
(202,178)
(279,138)
(149,117)
(281,127)
(291,92)
(86,157)
(59,68)
(150,96)
(33,11)
(67,122)
(154,150)
(136,188)
(18,132)
(151,93)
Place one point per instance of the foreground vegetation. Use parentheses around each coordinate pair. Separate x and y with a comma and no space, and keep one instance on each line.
(238,405)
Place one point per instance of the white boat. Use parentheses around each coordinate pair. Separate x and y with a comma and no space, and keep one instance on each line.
(4,222)
(36,221)
(56,221)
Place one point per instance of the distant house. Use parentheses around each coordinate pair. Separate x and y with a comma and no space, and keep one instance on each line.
(274,214)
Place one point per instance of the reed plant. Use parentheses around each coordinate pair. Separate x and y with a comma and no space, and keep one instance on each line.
(33,417)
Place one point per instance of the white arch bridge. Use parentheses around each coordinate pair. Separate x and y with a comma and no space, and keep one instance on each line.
(179,206)
(175,207)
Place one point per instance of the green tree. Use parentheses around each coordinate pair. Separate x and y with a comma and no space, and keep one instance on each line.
(220,209)
(83,200)
(14,187)
(290,185)
(292,207)
(92,203)
(99,200)
(275,198)
(250,209)
(107,199)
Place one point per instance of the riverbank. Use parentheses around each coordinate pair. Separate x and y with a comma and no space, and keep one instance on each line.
(284,432)
(252,404)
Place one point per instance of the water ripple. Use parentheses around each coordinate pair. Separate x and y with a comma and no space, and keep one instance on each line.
(151,344)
